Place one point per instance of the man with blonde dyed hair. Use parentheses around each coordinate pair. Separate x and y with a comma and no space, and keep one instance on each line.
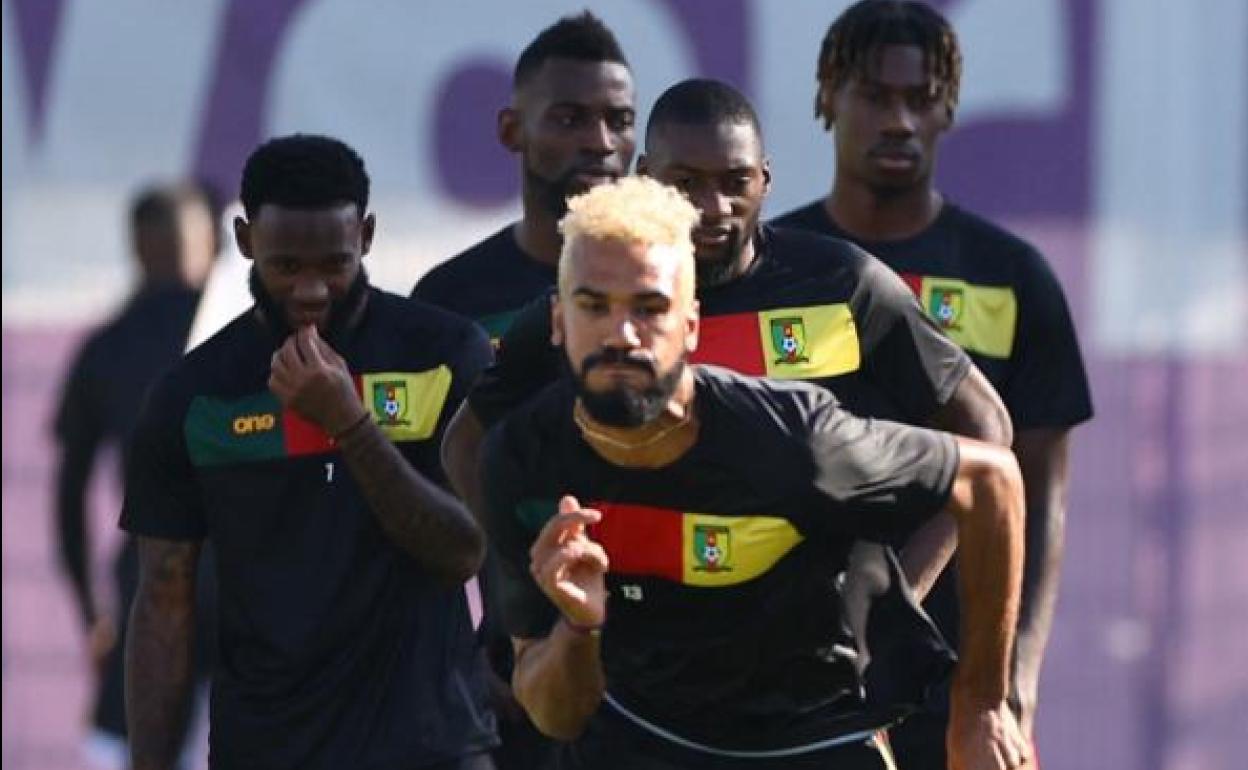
(681,617)
(633,210)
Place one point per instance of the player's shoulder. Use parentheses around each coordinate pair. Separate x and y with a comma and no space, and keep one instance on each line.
(411,318)
(989,242)
(465,267)
(763,403)
(983,234)
(807,217)
(536,425)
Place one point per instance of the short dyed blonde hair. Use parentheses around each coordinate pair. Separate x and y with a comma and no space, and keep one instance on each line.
(632,209)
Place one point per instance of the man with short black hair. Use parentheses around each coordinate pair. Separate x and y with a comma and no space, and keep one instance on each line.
(888,75)
(777,302)
(302,441)
(570,122)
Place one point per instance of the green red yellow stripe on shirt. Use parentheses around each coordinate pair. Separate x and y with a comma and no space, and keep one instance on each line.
(694,549)
(789,343)
(405,405)
(981,319)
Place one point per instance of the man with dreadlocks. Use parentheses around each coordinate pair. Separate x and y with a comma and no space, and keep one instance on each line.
(888,77)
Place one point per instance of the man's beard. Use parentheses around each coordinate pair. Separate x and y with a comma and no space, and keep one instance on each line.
(622,407)
(723,267)
(340,310)
(552,194)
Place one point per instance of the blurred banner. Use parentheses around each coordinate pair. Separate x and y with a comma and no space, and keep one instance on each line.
(1111,133)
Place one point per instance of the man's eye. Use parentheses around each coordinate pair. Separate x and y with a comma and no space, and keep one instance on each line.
(621,121)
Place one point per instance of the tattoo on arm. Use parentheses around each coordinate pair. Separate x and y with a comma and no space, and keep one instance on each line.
(416,514)
(159,652)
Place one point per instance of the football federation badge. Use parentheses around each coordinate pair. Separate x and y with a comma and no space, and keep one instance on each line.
(390,403)
(945,306)
(711,549)
(788,339)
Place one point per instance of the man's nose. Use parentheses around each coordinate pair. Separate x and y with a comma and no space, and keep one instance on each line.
(623,331)
(599,138)
(898,119)
(310,291)
(712,203)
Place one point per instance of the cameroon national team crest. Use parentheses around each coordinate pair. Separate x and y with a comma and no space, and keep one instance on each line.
(945,306)
(390,403)
(788,339)
(711,550)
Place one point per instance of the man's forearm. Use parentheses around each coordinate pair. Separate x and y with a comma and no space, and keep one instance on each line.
(1043,458)
(159,648)
(461,457)
(559,680)
(71,485)
(975,411)
(990,566)
(416,514)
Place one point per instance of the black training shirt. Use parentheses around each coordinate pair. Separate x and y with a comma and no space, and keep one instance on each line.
(337,649)
(725,621)
(488,282)
(810,308)
(995,295)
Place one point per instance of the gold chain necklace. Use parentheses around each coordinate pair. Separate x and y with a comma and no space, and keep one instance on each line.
(578,417)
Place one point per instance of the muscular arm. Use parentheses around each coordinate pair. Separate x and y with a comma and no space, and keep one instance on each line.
(987,502)
(1043,457)
(975,411)
(416,514)
(159,652)
(559,680)
(461,456)
(72,475)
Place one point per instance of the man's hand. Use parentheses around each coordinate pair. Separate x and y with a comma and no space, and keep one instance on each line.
(311,378)
(569,567)
(101,638)
(984,738)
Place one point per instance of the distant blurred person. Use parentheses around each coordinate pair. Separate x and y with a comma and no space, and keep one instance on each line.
(174,240)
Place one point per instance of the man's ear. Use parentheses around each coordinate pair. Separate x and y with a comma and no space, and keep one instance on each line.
(242,236)
(556,321)
(367,228)
(766,175)
(643,165)
(825,102)
(693,325)
(508,128)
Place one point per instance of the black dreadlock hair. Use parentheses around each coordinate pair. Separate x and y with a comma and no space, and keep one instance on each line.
(853,40)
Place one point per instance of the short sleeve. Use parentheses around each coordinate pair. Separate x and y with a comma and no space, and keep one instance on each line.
(162,497)
(879,479)
(905,353)
(526,612)
(473,356)
(1047,386)
(526,363)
